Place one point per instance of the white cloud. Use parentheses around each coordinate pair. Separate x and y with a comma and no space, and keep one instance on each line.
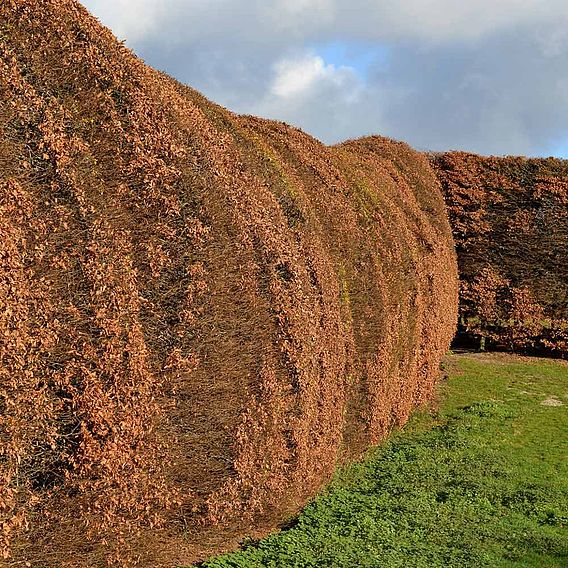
(300,10)
(332,102)
(298,18)
(129,19)
(441,21)
(436,21)
(297,76)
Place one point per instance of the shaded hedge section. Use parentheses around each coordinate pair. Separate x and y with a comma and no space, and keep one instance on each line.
(200,313)
(510,223)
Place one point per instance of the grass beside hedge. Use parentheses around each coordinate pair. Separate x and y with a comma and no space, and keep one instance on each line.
(481,482)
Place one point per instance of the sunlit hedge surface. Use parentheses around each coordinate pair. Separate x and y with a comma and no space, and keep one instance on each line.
(200,313)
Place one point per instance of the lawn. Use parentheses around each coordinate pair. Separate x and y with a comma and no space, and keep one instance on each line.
(480,482)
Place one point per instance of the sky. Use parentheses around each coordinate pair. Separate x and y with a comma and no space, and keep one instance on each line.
(487,76)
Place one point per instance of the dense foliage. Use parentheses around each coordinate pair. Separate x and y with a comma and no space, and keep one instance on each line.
(200,313)
(510,222)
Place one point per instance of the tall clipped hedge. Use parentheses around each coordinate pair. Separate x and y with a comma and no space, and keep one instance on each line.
(200,313)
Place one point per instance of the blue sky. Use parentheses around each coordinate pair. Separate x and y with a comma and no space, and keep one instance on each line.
(484,76)
(561,150)
(362,57)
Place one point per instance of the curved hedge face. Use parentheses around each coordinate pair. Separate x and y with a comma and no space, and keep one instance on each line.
(510,223)
(200,313)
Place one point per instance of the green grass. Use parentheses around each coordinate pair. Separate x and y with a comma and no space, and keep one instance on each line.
(482,482)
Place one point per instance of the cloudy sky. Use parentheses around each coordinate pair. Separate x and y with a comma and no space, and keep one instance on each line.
(490,76)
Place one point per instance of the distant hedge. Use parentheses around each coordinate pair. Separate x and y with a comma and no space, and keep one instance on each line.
(510,222)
